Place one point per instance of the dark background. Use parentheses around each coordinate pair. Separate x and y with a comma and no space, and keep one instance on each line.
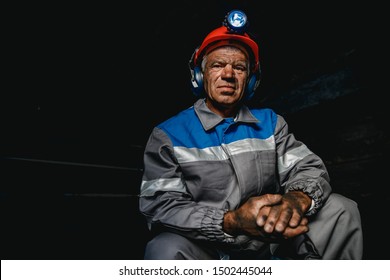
(85,84)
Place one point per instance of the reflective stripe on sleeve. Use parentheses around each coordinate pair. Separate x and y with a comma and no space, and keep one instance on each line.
(288,160)
(149,188)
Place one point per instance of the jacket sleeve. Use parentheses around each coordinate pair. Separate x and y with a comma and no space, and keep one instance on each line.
(299,168)
(165,201)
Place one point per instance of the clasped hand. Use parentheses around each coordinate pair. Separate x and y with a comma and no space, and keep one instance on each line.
(270,216)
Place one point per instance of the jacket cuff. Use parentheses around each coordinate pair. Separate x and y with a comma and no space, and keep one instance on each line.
(313,189)
(211,226)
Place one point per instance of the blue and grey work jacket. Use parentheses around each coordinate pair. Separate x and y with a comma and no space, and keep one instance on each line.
(198,165)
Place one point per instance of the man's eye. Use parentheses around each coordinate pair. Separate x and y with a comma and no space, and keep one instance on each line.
(240,68)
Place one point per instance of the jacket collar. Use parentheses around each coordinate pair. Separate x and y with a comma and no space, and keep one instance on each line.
(209,119)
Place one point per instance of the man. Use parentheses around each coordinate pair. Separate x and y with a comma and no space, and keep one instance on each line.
(222,181)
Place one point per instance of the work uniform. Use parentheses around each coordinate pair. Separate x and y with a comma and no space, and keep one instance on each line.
(198,165)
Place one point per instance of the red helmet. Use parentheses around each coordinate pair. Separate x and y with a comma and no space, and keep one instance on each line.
(223,36)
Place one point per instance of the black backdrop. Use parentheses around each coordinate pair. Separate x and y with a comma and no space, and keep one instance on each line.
(85,84)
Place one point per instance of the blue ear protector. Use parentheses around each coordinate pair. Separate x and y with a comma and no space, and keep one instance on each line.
(197,85)
(252,84)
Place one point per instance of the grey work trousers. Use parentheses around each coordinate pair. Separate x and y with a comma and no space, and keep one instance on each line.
(335,231)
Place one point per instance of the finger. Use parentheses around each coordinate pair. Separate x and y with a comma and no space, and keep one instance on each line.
(283,219)
(264,203)
(295,219)
(292,232)
(304,221)
(262,216)
(272,218)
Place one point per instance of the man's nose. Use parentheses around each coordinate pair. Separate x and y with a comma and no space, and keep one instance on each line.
(228,71)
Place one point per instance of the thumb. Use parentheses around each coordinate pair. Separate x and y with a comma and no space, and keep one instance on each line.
(270,199)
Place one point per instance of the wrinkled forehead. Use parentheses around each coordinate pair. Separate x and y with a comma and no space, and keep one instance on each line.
(228,43)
